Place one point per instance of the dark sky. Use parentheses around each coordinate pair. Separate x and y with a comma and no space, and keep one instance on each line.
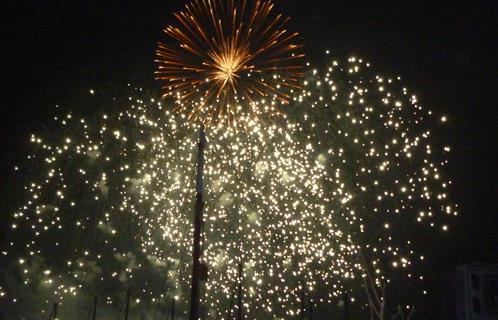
(55,51)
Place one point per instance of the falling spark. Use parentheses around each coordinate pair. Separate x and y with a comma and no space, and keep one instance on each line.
(353,168)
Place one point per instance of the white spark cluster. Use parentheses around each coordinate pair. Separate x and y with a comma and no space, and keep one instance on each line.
(351,170)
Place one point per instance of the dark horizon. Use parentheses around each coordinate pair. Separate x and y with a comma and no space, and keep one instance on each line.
(444,51)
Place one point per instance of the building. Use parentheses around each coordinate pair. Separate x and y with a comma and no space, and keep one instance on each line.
(471,293)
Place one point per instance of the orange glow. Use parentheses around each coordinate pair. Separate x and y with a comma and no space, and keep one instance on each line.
(224,56)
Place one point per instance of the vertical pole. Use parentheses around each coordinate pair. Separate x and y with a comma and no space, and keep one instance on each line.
(196,250)
(94,308)
(346,306)
(173,303)
(127,304)
(240,298)
(55,310)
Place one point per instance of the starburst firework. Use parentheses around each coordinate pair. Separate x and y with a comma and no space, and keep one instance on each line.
(227,57)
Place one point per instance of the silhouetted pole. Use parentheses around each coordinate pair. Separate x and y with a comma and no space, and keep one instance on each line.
(94,308)
(173,303)
(240,298)
(346,306)
(199,206)
(127,304)
(53,313)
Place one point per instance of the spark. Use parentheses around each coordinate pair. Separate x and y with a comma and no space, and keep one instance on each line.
(227,57)
(294,201)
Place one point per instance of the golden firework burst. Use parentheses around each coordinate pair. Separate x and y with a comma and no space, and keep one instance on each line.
(226,57)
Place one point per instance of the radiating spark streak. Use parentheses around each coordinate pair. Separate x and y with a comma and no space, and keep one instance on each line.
(227,56)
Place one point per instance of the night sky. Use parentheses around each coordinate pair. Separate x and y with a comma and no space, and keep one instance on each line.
(53,52)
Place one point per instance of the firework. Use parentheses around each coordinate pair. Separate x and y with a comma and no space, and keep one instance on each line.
(226,57)
(380,141)
(294,202)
